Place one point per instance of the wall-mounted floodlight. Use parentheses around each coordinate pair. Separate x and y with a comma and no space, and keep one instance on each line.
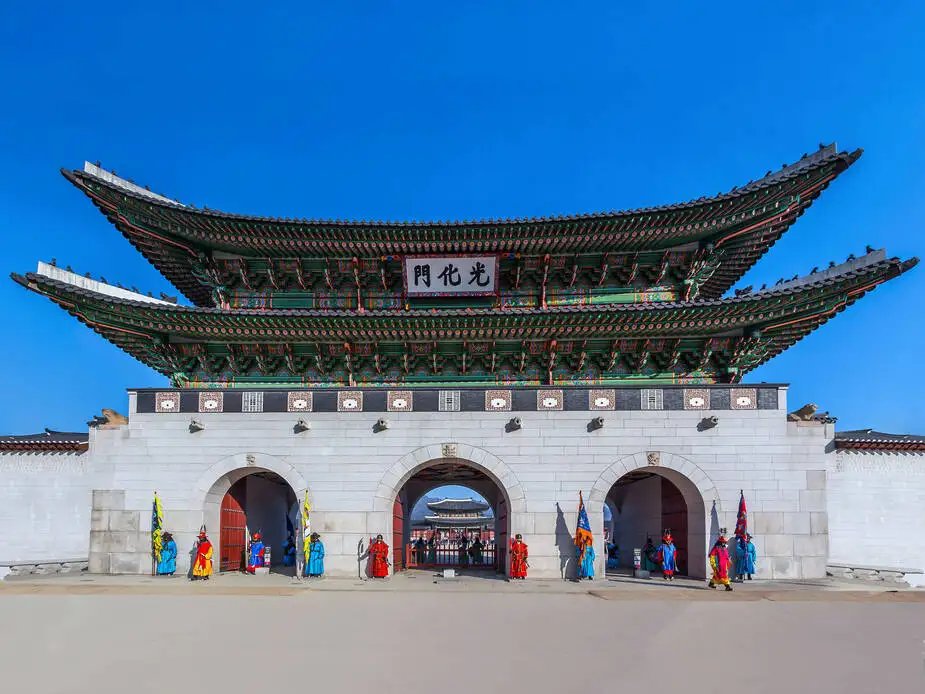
(301,426)
(595,424)
(514,425)
(380,425)
(195,425)
(707,423)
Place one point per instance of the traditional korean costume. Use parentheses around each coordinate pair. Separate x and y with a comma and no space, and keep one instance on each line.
(519,556)
(167,564)
(379,558)
(255,559)
(586,562)
(315,564)
(202,565)
(719,562)
(746,556)
(667,554)
(650,560)
(289,552)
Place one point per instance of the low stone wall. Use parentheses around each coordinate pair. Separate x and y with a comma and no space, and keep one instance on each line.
(44,568)
(872,574)
(875,497)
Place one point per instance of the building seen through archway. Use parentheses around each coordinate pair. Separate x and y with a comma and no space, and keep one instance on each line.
(259,501)
(643,504)
(450,514)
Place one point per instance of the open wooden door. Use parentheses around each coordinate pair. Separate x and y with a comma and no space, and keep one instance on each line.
(398,537)
(233,532)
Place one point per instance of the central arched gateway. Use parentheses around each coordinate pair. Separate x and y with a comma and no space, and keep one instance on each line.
(451,464)
(452,543)
(651,491)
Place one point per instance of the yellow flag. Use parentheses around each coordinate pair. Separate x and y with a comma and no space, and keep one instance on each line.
(306,525)
(157,526)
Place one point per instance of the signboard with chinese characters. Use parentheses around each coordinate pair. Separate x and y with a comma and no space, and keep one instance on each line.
(450,275)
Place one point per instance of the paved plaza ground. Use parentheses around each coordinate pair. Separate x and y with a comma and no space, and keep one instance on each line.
(411,634)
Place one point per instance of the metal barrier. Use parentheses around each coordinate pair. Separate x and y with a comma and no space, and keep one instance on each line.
(451,555)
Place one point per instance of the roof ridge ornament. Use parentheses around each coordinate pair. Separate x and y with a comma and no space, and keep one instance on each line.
(126,184)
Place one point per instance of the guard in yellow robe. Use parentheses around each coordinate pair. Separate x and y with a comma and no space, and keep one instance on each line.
(202,566)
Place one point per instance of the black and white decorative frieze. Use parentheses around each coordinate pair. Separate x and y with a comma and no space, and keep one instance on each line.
(512,399)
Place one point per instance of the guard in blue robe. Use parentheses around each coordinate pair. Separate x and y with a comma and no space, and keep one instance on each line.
(746,556)
(255,559)
(289,552)
(586,564)
(315,564)
(667,553)
(168,561)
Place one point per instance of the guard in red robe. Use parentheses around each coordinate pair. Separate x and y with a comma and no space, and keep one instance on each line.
(519,555)
(719,562)
(379,556)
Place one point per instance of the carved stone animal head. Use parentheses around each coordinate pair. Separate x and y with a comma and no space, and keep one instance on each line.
(804,414)
(113,419)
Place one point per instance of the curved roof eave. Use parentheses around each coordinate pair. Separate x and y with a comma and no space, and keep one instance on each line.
(794,287)
(825,155)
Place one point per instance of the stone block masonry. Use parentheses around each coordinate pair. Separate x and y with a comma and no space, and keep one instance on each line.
(45,507)
(353,474)
(876,510)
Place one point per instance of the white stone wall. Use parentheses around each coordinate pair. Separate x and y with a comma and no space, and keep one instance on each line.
(877,510)
(353,475)
(44,507)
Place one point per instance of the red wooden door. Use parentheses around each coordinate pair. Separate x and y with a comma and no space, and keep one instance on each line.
(233,534)
(501,538)
(398,537)
(674,516)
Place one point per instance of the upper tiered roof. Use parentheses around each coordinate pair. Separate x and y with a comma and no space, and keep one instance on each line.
(743,223)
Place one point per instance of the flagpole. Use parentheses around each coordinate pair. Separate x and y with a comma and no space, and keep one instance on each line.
(154,518)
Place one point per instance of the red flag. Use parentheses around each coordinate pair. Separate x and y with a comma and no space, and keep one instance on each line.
(742,518)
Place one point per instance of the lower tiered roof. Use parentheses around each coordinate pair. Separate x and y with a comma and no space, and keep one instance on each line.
(715,340)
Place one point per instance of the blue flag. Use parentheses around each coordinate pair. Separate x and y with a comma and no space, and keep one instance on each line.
(583,533)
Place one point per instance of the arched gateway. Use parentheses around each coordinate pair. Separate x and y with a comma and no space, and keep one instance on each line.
(654,490)
(244,493)
(430,467)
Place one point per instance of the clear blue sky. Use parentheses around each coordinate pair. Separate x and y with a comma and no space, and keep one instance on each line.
(427,110)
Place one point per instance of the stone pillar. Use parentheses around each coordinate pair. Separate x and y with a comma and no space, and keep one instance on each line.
(118,545)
